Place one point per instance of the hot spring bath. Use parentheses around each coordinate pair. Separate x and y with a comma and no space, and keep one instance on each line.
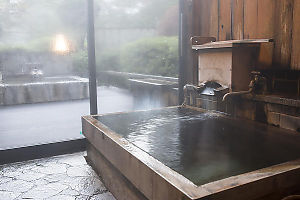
(187,153)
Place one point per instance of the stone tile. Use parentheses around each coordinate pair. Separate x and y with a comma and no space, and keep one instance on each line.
(50,168)
(61,177)
(40,182)
(5,180)
(73,160)
(82,197)
(62,197)
(53,178)
(70,191)
(29,176)
(17,186)
(5,195)
(44,191)
(79,171)
(88,186)
(103,196)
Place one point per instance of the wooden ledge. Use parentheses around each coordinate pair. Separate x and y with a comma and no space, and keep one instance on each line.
(229,43)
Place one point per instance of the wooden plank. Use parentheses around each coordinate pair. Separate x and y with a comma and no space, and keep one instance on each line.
(265,15)
(283,33)
(225,20)
(238,19)
(197,16)
(265,29)
(250,19)
(214,19)
(205,18)
(295,62)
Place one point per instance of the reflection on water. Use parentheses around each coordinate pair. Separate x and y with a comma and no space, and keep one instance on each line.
(203,147)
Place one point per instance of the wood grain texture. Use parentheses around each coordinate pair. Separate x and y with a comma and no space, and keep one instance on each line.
(295,58)
(254,19)
(214,19)
(238,19)
(283,33)
(265,19)
(205,18)
(250,19)
(225,20)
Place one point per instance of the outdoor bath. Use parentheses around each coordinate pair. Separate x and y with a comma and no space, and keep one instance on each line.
(189,153)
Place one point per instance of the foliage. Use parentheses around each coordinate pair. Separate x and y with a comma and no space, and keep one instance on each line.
(37,45)
(156,56)
(80,63)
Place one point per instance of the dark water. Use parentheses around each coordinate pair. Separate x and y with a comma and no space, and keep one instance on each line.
(204,147)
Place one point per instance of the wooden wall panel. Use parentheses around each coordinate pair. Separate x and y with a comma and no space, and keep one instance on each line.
(214,19)
(265,30)
(250,19)
(295,63)
(198,25)
(238,19)
(225,20)
(265,19)
(206,18)
(254,19)
(283,33)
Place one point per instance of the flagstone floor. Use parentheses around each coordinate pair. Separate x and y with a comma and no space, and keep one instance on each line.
(66,177)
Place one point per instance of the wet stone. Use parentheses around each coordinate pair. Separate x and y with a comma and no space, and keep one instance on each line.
(51,168)
(5,180)
(88,186)
(104,196)
(29,176)
(79,171)
(61,177)
(8,195)
(17,186)
(74,161)
(62,197)
(44,191)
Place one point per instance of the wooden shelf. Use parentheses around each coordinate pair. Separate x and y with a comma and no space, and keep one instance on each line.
(229,43)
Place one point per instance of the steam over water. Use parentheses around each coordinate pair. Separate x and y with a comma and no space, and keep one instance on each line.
(203,147)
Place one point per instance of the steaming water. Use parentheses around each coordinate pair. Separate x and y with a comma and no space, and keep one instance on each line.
(203,147)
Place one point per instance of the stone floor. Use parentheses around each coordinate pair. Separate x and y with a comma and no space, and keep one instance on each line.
(62,177)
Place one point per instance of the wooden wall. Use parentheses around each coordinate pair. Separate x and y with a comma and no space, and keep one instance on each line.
(253,19)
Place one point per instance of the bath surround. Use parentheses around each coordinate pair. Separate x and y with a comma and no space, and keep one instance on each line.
(131,172)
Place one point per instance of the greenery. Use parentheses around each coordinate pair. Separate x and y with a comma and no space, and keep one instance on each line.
(156,56)
(80,63)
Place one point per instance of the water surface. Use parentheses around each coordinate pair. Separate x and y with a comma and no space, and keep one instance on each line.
(203,147)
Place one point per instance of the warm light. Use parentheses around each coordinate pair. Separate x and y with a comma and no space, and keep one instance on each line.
(61,44)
